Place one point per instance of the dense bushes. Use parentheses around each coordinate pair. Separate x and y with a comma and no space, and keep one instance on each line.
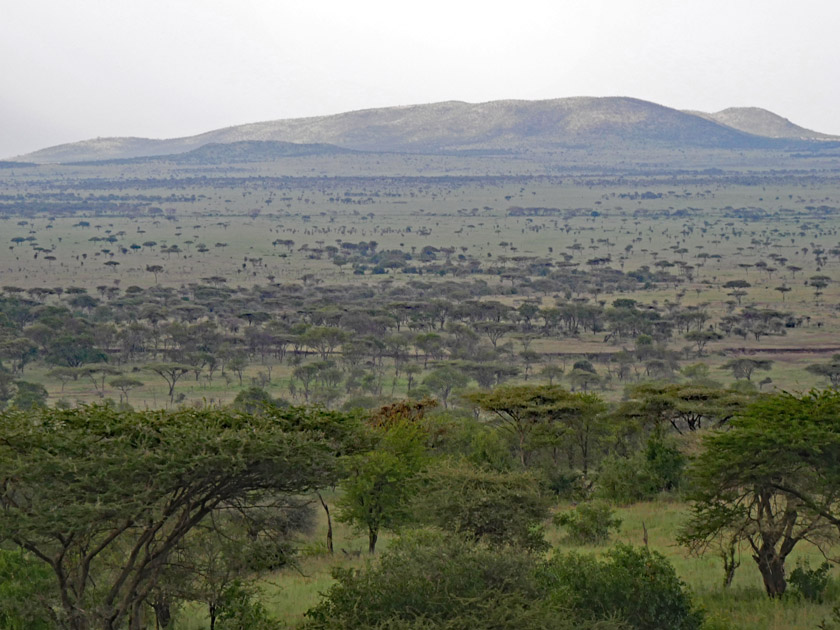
(589,523)
(434,581)
(501,508)
(638,586)
(641,476)
(437,581)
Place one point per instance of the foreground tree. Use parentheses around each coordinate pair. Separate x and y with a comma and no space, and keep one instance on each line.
(103,498)
(770,481)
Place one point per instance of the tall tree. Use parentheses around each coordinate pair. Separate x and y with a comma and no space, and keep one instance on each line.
(171,373)
(550,412)
(103,497)
(380,483)
(772,480)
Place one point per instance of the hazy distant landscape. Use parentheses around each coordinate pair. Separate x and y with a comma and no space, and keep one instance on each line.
(571,124)
(562,306)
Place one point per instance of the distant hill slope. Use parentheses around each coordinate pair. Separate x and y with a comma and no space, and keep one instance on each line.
(761,122)
(580,122)
(235,153)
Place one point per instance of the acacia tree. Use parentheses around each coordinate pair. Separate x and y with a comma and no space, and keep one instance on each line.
(744,367)
(684,406)
(125,384)
(771,481)
(103,497)
(443,380)
(171,373)
(700,338)
(830,370)
(546,415)
(501,508)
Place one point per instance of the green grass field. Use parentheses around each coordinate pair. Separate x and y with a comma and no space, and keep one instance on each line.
(744,606)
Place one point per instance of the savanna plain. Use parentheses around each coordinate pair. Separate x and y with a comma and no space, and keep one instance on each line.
(410,391)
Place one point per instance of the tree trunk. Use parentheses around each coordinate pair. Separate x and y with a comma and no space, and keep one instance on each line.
(772,568)
(135,620)
(329,523)
(163,611)
(372,536)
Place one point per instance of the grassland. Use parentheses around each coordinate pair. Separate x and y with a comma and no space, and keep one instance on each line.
(288,594)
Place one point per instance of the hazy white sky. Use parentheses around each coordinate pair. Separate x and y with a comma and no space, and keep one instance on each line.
(77,69)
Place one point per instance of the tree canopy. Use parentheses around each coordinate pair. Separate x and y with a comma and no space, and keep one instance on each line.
(103,497)
(772,480)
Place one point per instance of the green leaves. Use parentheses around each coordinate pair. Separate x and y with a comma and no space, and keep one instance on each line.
(103,497)
(380,483)
(500,508)
(772,480)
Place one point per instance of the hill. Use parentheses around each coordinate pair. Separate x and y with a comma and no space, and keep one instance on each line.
(760,122)
(233,153)
(449,127)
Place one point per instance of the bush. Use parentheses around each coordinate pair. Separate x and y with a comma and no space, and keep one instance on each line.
(240,610)
(665,462)
(625,480)
(256,400)
(643,475)
(810,584)
(501,508)
(433,581)
(589,523)
(638,585)
(565,484)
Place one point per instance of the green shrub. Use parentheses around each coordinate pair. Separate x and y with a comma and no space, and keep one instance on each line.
(25,590)
(643,475)
(638,585)
(565,484)
(240,610)
(431,580)
(625,480)
(810,584)
(665,462)
(589,523)
(501,508)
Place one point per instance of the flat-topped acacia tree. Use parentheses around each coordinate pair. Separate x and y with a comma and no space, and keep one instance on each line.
(103,497)
(772,480)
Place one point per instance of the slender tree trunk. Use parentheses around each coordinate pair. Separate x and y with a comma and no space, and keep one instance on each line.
(730,563)
(329,523)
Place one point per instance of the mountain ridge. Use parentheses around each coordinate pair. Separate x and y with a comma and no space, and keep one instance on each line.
(596,123)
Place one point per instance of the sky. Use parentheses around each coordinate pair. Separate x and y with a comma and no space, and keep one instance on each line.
(77,69)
